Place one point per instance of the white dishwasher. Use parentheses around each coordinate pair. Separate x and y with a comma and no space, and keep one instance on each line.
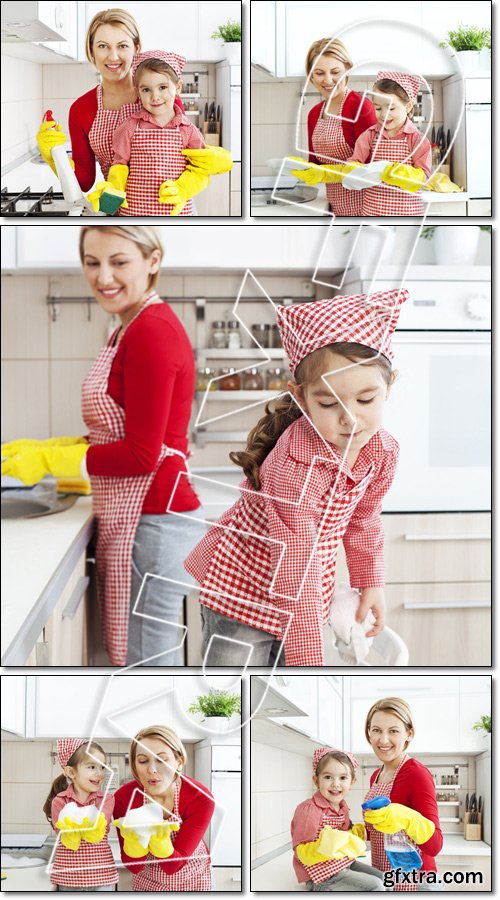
(219,768)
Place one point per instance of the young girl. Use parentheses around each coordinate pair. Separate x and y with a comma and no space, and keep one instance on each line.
(317,467)
(394,139)
(410,787)
(151,149)
(83,859)
(325,842)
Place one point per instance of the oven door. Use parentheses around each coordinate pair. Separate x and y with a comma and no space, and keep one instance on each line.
(439,412)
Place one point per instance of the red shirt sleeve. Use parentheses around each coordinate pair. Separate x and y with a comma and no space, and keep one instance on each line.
(366,118)
(81,116)
(192,138)
(414,787)
(58,803)
(148,371)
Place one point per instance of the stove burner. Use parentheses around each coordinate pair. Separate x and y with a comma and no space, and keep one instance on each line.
(32,203)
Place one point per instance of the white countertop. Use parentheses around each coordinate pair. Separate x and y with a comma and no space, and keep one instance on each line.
(33,551)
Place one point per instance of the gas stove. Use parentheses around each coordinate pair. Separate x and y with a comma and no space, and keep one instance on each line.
(36,203)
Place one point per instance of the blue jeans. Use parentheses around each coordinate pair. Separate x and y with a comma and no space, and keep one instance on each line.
(161,545)
(358,877)
(265,646)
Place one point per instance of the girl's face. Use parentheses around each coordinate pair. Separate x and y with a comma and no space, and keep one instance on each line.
(157,93)
(328,76)
(156,766)
(388,736)
(355,409)
(113,51)
(334,782)
(393,107)
(88,775)
(117,272)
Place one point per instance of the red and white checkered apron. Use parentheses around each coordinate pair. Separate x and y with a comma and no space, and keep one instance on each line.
(155,157)
(379,859)
(195,875)
(330,146)
(325,870)
(117,504)
(386,200)
(89,866)
(103,128)
(240,570)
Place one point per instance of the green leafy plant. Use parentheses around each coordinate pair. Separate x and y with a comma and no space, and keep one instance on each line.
(217,703)
(429,230)
(468,37)
(484,724)
(230,33)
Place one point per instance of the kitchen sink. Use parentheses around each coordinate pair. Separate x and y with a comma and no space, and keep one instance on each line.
(16,505)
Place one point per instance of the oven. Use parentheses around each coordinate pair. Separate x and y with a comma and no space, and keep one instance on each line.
(39,203)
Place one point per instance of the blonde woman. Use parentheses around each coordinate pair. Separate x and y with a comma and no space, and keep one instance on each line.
(336,122)
(389,730)
(136,403)
(157,758)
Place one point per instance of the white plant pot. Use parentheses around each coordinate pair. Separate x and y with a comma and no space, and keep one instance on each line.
(469,61)
(232,52)
(217,724)
(373,246)
(456,245)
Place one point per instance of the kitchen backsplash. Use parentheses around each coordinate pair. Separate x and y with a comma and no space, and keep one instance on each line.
(28,770)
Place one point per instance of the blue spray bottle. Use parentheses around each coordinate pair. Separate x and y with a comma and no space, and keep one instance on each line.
(398,848)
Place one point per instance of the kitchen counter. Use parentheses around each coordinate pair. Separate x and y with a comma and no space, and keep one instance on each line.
(38,556)
(319,206)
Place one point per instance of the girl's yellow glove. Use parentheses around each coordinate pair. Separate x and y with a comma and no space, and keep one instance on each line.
(70,838)
(396,817)
(31,464)
(160,843)
(94,833)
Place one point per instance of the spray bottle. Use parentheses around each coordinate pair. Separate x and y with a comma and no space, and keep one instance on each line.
(72,191)
(398,848)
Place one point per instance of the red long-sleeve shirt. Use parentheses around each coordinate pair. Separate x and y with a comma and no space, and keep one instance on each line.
(196,808)
(153,379)
(414,787)
(354,108)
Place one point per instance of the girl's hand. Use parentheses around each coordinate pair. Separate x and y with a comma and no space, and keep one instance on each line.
(372,599)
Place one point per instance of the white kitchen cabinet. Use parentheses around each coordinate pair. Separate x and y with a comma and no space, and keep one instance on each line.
(472,707)
(14,704)
(478,207)
(8,248)
(263,28)
(47,248)
(330,712)
(390,686)
(219,768)
(65,18)
(302,691)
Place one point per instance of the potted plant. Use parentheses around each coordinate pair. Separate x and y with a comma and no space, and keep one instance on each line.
(468,41)
(484,724)
(455,245)
(217,707)
(230,35)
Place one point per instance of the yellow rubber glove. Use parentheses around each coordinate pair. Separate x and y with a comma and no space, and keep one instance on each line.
(396,817)
(402,176)
(131,844)
(117,179)
(50,135)
(31,464)
(186,186)
(211,160)
(13,447)
(331,844)
(442,184)
(70,838)
(359,830)
(94,833)
(160,843)
(325,174)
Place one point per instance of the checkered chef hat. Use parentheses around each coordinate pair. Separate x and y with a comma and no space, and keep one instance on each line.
(367,319)
(173,60)
(410,83)
(320,752)
(66,747)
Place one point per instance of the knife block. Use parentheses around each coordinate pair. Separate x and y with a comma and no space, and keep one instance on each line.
(212,140)
(472,832)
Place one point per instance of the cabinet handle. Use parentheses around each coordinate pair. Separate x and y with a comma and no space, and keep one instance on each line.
(450,604)
(451,536)
(76,597)
(235,773)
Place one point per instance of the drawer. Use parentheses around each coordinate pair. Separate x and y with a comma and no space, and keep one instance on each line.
(479,207)
(478,90)
(236,177)
(443,595)
(235,203)
(433,548)
(226,759)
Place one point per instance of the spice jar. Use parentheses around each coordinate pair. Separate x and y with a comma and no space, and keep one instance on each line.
(203,379)
(262,334)
(218,339)
(233,335)
(231,380)
(275,337)
(276,380)
(252,380)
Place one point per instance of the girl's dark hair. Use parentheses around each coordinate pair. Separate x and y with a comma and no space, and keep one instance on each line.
(155,65)
(387,86)
(340,757)
(282,412)
(61,782)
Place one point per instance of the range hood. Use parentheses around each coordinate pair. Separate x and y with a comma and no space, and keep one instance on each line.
(24,23)
(267,703)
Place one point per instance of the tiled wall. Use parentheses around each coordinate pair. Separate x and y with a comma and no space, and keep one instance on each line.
(274,112)
(280,780)
(28,771)
(22,107)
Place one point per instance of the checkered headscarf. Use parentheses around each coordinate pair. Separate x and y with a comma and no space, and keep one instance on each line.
(368,319)
(322,751)
(66,747)
(173,60)
(410,83)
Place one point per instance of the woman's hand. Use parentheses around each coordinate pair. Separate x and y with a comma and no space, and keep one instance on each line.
(372,599)
(50,135)
(396,817)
